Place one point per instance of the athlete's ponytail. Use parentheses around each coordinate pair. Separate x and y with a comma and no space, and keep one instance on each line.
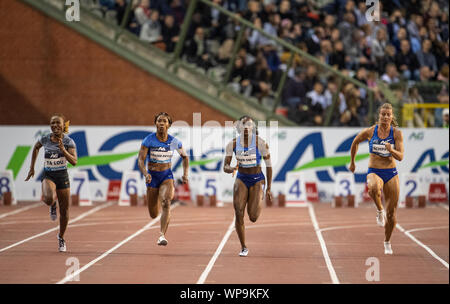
(66,126)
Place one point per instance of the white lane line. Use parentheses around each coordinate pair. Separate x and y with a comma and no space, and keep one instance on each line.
(331,270)
(80,217)
(444,206)
(344,227)
(431,252)
(210,265)
(105,254)
(427,228)
(20,210)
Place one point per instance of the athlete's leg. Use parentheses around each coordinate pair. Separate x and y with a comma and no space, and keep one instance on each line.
(152,201)
(48,191)
(63,200)
(240,196)
(391,194)
(255,196)
(375,185)
(166,193)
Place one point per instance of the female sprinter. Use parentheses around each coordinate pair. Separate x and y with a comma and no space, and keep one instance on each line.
(59,148)
(248,188)
(385,146)
(157,148)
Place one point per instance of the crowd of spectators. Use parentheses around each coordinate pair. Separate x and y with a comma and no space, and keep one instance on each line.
(404,42)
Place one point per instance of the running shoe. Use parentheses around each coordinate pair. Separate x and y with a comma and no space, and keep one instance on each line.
(381,218)
(244,252)
(61,244)
(162,241)
(53,212)
(388,248)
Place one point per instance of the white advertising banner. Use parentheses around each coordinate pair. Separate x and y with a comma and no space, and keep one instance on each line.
(105,153)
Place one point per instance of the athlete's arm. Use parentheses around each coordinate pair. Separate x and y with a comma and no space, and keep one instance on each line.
(396,153)
(34,155)
(228,156)
(185,164)
(141,163)
(70,155)
(263,147)
(362,136)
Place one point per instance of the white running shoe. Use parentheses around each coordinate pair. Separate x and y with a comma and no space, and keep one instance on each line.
(53,212)
(381,218)
(388,248)
(61,244)
(244,252)
(162,241)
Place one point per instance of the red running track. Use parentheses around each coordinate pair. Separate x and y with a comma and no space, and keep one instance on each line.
(313,245)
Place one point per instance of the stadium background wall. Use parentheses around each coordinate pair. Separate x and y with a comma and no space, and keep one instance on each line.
(45,68)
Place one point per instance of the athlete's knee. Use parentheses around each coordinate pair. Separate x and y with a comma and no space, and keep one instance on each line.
(239,215)
(390,216)
(374,191)
(153,213)
(165,203)
(253,217)
(48,199)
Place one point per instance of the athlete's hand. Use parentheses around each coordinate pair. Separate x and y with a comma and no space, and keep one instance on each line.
(60,144)
(148,178)
(352,167)
(388,147)
(269,196)
(30,174)
(234,170)
(185,179)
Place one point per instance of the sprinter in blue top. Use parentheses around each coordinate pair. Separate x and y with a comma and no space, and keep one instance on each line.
(385,146)
(157,149)
(59,149)
(248,188)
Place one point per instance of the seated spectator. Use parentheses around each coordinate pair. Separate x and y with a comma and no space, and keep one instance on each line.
(313,42)
(317,104)
(413,97)
(170,32)
(152,29)
(445,118)
(406,62)
(326,50)
(142,12)
(259,75)
(178,9)
(426,58)
(239,78)
(197,51)
(379,44)
(330,96)
(131,24)
(338,58)
(294,90)
(311,77)
(391,74)
(425,74)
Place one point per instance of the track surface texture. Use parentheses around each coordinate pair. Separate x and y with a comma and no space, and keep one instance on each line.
(317,244)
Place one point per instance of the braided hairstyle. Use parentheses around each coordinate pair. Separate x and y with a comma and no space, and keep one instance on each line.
(163,114)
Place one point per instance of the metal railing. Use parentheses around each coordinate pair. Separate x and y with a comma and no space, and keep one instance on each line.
(286,45)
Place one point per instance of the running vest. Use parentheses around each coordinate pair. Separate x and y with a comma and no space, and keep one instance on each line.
(247,156)
(160,152)
(54,159)
(376,144)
